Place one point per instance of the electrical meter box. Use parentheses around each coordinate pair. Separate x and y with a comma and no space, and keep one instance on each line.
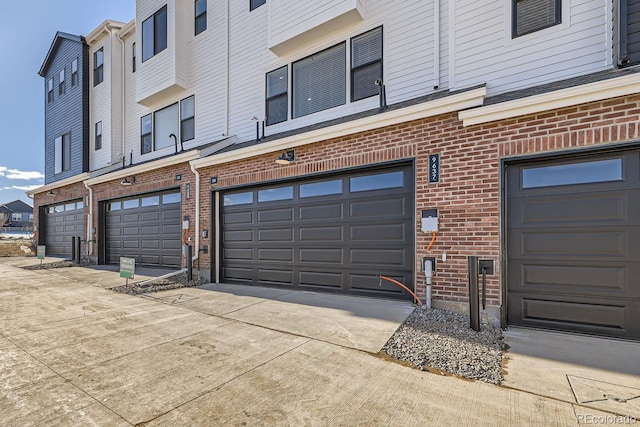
(429,222)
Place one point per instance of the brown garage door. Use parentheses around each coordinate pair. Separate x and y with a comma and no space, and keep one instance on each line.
(63,222)
(336,233)
(146,228)
(573,244)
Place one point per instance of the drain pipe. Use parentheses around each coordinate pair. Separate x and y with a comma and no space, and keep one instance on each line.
(428,272)
(89,221)
(197,229)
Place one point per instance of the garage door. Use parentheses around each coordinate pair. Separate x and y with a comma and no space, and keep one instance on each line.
(573,244)
(63,222)
(337,233)
(146,228)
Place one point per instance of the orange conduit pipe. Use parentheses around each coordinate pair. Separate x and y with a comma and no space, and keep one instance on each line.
(403,287)
(433,239)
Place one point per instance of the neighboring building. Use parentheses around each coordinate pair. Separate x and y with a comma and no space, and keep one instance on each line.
(516,121)
(16,214)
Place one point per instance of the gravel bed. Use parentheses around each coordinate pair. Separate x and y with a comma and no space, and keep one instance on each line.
(442,340)
(173,282)
(51,265)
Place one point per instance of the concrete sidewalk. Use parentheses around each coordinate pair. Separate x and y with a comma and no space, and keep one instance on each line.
(75,353)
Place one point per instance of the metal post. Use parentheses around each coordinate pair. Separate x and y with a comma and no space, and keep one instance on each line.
(73,248)
(474,310)
(189,264)
(79,241)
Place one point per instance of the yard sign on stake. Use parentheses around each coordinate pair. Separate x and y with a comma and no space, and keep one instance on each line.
(127,268)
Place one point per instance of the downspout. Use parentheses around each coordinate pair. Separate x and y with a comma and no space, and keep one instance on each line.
(436,44)
(196,254)
(122,91)
(89,221)
(226,77)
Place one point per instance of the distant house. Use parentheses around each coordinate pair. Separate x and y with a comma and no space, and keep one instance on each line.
(16,214)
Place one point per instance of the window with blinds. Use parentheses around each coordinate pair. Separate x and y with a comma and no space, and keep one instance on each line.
(533,15)
(319,81)
(366,64)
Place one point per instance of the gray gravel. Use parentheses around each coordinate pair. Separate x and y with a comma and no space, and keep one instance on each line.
(442,341)
(173,282)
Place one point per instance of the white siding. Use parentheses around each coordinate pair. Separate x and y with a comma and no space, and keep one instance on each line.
(101,102)
(486,52)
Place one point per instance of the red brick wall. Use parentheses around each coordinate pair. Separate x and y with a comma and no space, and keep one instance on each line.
(468,194)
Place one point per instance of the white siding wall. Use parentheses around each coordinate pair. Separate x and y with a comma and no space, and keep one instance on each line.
(101,101)
(484,50)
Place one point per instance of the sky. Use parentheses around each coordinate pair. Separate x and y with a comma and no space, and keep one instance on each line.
(27,30)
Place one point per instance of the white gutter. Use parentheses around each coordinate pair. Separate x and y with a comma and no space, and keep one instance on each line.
(436,44)
(447,104)
(122,95)
(590,92)
(227,71)
(145,167)
(54,185)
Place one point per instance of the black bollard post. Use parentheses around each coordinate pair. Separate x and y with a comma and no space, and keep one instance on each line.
(189,263)
(73,248)
(474,310)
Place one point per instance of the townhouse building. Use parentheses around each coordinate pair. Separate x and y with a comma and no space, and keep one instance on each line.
(319,145)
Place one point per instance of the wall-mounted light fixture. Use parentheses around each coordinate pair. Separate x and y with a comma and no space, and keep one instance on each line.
(53,192)
(286,158)
(382,94)
(128,180)
(257,120)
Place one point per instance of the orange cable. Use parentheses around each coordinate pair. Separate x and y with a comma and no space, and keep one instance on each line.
(403,287)
(433,239)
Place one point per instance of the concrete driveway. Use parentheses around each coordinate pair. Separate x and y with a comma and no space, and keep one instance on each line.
(75,353)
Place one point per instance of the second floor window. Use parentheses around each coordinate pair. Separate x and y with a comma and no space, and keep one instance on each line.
(254,4)
(98,66)
(61,84)
(157,130)
(98,136)
(201,16)
(319,81)
(533,15)
(154,34)
(50,90)
(62,154)
(74,72)
(277,96)
(366,64)
(187,119)
(16,216)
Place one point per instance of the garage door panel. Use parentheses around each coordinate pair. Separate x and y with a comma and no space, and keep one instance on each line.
(283,277)
(275,254)
(331,256)
(324,237)
(150,216)
(150,259)
(275,215)
(318,279)
(131,217)
(276,235)
(150,244)
(332,211)
(150,230)
(378,232)
(573,251)
(321,234)
(174,245)
(238,218)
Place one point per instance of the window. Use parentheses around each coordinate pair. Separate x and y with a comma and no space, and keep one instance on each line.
(273,194)
(131,204)
(146,143)
(238,199)
(366,64)
(187,119)
(16,216)
(98,66)
(133,57)
(154,34)
(165,123)
(176,119)
(74,72)
(61,84)
(98,136)
(150,201)
(62,154)
(323,188)
(533,15)
(277,97)
(377,181)
(201,16)
(254,4)
(319,81)
(573,173)
(50,90)
(170,198)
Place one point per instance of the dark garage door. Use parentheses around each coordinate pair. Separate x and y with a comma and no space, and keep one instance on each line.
(337,233)
(62,223)
(146,228)
(573,245)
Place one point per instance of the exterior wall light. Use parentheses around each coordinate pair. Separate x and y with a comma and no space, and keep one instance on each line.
(128,180)
(286,158)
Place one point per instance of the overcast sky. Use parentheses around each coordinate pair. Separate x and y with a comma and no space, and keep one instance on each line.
(26,32)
